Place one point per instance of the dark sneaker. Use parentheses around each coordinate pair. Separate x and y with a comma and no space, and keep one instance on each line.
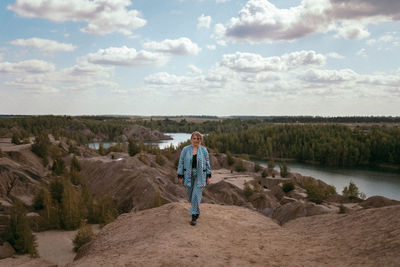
(194,218)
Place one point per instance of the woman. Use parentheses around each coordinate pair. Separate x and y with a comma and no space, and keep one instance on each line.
(194,172)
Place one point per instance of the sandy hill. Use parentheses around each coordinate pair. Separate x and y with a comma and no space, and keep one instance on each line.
(236,236)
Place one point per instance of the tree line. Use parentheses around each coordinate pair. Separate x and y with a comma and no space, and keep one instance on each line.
(333,145)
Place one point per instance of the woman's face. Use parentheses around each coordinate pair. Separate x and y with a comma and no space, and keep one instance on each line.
(195,140)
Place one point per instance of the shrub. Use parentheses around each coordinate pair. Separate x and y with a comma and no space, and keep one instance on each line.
(56,190)
(160,160)
(247,190)
(240,166)
(75,177)
(229,158)
(317,193)
(257,167)
(157,200)
(284,170)
(15,139)
(352,191)
(83,236)
(41,147)
(75,164)
(19,234)
(271,164)
(287,187)
(264,173)
(58,167)
(38,200)
(133,148)
(342,209)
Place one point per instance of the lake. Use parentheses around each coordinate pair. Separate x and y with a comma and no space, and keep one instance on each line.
(177,138)
(370,182)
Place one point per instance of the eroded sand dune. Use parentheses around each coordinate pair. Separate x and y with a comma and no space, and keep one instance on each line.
(235,236)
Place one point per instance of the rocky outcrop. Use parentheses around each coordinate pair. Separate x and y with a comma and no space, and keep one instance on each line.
(235,236)
(377,202)
(141,133)
(296,209)
(6,250)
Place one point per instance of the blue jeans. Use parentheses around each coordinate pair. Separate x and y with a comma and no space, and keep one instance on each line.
(194,194)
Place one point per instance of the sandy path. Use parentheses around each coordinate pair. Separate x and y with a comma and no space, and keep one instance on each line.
(56,246)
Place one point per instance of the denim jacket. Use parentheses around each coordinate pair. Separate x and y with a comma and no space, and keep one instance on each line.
(203,166)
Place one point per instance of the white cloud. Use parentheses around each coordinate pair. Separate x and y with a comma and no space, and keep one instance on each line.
(78,77)
(260,20)
(328,76)
(44,44)
(164,78)
(248,62)
(219,30)
(221,43)
(102,16)
(334,55)
(124,56)
(194,70)
(351,30)
(181,46)
(27,66)
(211,47)
(386,41)
(203,22)
(1,57)
(362,52)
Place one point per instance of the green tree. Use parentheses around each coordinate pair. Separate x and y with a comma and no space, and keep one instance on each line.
(133,148)
(58,167)
(83,236)
(352,191)
(41,147)
(229,158)
(56,189)
(284,170)
(20,234)
(70,206)
(257,167)
(16,139)
(75,164)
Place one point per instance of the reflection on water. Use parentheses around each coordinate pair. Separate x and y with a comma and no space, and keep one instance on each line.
(177,138)
(370,182)
(96,145)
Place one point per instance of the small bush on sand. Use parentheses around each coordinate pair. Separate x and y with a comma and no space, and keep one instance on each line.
(287,187)
(247,190)
(352,191)
(264,173)
(83,236)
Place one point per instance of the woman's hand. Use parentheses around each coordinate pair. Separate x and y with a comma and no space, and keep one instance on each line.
(180,180)
(208,181)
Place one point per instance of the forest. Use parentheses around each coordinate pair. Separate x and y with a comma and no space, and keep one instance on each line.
(319,141)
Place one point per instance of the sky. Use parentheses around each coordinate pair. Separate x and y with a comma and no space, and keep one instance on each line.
(200,57)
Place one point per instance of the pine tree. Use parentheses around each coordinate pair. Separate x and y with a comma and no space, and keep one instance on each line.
(133,148)
(20,234)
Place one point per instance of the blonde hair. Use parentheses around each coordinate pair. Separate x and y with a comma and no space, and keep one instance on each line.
(198,134)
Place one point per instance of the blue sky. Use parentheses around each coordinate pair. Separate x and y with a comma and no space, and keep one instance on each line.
(200,57)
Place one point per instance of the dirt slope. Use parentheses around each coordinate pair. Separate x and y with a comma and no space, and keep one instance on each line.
(235,236)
